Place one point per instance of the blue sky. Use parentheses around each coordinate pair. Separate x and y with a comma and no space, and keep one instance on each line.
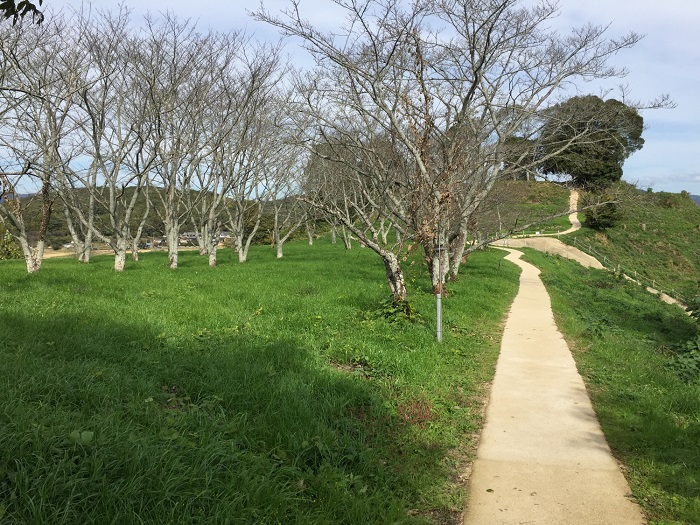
(667,60)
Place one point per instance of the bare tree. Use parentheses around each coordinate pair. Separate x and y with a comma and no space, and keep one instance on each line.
(117,124)
(175,62)
(283,185)
(43,71)
(447,83)
(239,125)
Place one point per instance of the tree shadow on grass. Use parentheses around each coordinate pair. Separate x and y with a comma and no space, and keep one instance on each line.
(110,422)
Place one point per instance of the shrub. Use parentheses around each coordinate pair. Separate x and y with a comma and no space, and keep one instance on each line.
(9,248)
(601,216)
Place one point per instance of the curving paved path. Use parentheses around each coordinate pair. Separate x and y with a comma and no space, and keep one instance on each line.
(552,245)
(542,457)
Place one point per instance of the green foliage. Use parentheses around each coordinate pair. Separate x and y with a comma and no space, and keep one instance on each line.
(256,393)
(686,360)
(395,312)
(15,10)
(693,308)
(611,130)
(601,216)
(9,248)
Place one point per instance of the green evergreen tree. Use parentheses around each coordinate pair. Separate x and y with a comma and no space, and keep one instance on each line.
(599,136)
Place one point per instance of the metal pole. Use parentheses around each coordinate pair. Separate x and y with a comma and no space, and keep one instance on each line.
(439,317)
(438,296)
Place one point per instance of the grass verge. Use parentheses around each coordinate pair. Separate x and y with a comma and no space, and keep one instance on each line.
(273,391)
(620,337)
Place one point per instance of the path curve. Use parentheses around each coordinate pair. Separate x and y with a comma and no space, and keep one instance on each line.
(550,244)
(542,457)
(547,243)
(573,215)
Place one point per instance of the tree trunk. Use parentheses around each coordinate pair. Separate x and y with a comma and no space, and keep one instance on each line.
(84,249)
(347,240)
(83,245)
(33,257)
(310,231)
(120,255)
(212,256)
(457,253)
(172,258)
(171,236)
(437,255)
(383,231)
(394,275)
(334,234)
(242,254)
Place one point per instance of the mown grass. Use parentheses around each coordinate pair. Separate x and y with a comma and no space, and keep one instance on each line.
(268,392)
(620,336)
(658,237)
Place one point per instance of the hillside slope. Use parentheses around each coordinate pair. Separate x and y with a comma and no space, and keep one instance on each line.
(658,239)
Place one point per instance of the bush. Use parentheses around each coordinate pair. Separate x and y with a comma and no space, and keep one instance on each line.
(9,248)
(601,216)
(686,360)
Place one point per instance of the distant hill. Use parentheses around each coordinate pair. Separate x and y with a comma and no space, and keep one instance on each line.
(696,198)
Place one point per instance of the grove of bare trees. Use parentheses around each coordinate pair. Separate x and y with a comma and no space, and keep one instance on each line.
(413,109)
(399,136)
(89,103)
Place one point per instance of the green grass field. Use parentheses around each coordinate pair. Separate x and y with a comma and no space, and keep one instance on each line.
(269,392)
(277,391)
(622,339)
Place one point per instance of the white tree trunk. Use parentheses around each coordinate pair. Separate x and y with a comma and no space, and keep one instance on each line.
(384,230)
(171,237)
(83,248)
(457,253)
(394,275)
(347,239)
(310,231)
(134,250)
(120,255)
(33,257)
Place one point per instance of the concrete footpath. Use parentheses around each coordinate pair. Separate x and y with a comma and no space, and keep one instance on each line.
(542,457)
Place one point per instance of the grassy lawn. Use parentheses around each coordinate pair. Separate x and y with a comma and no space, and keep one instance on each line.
(269,392)
(622,338)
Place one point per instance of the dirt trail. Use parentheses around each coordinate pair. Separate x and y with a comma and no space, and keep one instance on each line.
(542,457)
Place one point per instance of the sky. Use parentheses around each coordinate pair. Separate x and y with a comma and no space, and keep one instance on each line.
(666,61)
